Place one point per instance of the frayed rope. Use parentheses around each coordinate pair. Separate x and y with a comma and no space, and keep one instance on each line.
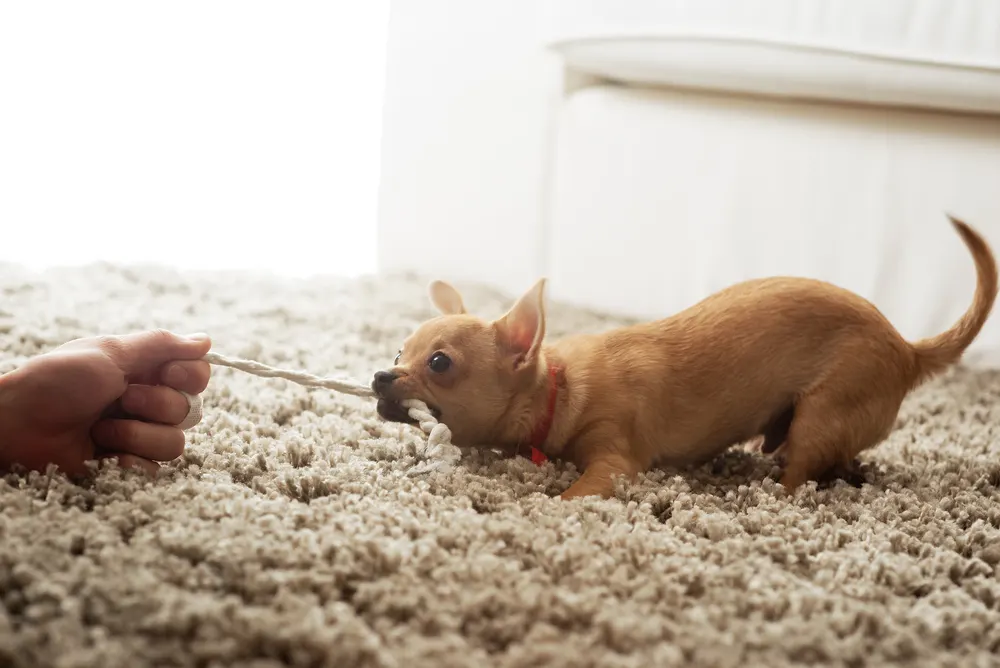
(438,455)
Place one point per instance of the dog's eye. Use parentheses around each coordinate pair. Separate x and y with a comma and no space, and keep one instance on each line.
(398,355)
(439,362)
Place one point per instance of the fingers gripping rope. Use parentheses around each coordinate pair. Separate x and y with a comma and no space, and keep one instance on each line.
(439,453)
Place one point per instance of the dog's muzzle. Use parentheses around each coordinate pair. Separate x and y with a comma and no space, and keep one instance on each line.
(393,411)
(382,381)
(388,408)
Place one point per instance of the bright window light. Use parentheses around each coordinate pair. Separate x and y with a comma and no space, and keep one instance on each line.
(196,134)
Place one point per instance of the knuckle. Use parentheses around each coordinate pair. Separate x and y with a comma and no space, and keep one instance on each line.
(123,432)
(109,434)
(161,335)
(110,345)
(165,405)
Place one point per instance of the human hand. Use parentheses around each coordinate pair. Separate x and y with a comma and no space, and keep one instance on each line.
(98,397)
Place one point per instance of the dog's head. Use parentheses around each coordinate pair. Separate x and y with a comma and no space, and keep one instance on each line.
(468,370)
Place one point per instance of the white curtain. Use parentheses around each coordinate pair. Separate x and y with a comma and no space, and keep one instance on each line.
(193,133)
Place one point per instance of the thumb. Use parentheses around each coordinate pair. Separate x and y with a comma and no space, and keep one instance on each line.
(141,351)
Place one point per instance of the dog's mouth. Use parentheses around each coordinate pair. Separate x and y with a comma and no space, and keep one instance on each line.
(394,411)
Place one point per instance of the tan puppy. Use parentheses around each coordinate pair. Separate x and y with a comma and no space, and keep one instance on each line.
(800,361)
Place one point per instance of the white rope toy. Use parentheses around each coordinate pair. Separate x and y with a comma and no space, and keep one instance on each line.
(439,453)
(194,411)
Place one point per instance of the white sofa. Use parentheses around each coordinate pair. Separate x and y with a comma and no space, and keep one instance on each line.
(691,144)
(702,142)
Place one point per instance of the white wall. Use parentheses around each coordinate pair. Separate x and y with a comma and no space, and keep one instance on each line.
(468,96)
(199,134)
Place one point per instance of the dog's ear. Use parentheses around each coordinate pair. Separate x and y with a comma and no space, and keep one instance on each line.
(521,330)
(446,298)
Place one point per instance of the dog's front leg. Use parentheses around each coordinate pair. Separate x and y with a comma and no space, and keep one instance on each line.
(596,480)
(602,459)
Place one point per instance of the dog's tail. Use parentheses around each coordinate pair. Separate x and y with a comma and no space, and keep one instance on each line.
(937,353)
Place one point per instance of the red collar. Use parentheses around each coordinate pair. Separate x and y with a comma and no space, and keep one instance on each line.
(541,431)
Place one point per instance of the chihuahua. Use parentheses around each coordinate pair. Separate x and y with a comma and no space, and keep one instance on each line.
(812,368)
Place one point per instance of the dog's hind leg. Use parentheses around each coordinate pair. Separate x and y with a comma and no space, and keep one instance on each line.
(776,432)
(832,426)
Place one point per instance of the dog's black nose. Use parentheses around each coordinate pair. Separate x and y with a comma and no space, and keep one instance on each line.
(382,381)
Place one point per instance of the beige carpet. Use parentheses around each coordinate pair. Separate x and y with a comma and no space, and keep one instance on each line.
(290,534)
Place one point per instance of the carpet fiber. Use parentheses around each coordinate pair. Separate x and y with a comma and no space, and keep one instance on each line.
(291,534)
